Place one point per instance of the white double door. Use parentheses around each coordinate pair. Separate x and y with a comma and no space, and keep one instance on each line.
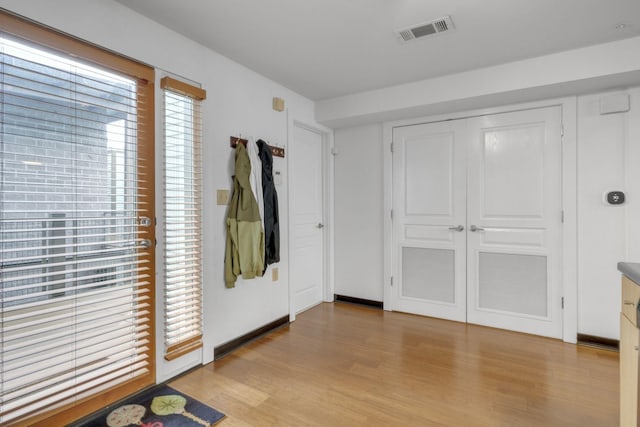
(477,220)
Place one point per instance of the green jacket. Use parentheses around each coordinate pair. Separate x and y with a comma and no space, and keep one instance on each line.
(244,252)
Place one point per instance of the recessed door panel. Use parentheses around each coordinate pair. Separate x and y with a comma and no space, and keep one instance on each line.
(513,283)
(428,274)
(428,174)
(512,170)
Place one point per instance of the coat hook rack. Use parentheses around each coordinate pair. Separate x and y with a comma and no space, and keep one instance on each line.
(235,141)
(275,151)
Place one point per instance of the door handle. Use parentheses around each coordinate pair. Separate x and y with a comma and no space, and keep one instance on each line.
(458,228)
(474,228)
(144,221)
(320,225)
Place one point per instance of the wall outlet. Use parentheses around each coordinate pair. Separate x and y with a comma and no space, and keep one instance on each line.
(222,197)
(277,177)
(274,274)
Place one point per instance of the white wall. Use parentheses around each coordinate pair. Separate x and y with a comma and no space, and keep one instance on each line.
(605,233)
(608,149)
(238,101)
(358,212)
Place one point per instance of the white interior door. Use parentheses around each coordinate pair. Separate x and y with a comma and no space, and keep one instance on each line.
(477,220)
(515,207)
(429,219)
(307,263)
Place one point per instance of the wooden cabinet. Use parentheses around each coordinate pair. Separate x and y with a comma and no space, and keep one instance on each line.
(629,342)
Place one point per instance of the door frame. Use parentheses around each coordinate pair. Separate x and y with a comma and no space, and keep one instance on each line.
(569,285)
(326,136)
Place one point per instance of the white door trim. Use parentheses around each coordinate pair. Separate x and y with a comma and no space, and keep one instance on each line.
(569,199)
(326,135)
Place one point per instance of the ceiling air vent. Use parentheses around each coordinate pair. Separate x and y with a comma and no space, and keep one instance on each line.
(424,29)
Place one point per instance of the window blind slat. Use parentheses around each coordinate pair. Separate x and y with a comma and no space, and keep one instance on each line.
(77,262)
(102,342)
(105,251)
(94,311)
(182,293)
(72,271)
(80,331)
(39,384)
(124,276)
(182,323)
(46,309)
(71,389)
(187,306)
(24,353)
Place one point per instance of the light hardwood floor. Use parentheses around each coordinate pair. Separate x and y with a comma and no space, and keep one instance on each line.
(346,365)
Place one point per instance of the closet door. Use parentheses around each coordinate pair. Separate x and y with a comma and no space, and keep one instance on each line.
(429,176)
(514,221)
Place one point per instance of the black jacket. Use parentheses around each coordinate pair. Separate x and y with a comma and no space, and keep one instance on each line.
(271,221)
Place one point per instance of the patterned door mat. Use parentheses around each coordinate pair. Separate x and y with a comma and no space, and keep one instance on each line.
(161,406)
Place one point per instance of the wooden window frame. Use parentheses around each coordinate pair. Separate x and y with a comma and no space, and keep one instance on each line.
(176,350)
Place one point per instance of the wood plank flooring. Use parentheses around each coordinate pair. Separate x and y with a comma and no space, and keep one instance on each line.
(346,365)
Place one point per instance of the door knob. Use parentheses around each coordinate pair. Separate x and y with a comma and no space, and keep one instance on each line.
(320,225)
(458,228)
(474,228)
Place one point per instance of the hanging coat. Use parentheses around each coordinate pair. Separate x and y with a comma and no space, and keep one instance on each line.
(244,253)
(271,220)
(255,177)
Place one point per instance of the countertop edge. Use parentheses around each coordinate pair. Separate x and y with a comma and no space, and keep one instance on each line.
(631,270)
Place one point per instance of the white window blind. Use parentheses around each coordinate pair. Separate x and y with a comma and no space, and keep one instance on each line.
(76,266)
(182,218)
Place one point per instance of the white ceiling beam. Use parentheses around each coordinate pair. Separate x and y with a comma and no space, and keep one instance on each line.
(604,66)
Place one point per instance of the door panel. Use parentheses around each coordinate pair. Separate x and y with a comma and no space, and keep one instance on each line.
(307,278)
(514,204)
(513,283)
(429,174)
(429,204)
(428,274)
(511,165)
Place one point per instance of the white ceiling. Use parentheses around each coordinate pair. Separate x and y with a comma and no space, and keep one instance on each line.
(328,48)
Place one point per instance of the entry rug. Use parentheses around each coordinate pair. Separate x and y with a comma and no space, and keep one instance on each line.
(160,406)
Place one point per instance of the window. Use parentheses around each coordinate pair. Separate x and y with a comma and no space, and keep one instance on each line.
(76,248)
(182,218)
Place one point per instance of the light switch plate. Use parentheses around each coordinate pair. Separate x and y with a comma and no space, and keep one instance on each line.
(222,197)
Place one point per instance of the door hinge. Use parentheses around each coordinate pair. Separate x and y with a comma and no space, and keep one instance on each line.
(391,146)
(391,281)
(562,303)
(562,217)
(561,131)
(391,214)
